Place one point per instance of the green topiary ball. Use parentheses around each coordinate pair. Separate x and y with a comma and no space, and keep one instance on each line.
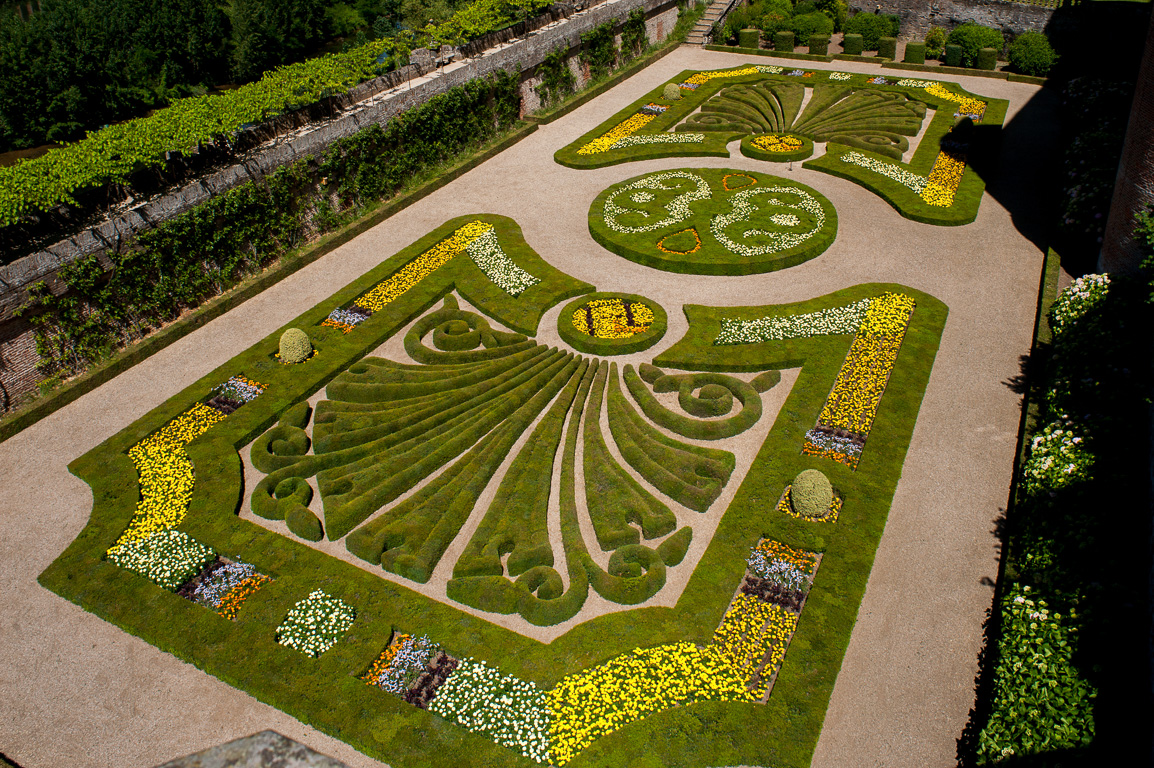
(811,494)
(672,92)
(295,346)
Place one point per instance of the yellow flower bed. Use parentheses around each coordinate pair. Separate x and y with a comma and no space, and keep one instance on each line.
(773,142)
(421,267)
(944,179)
(166,473)
(593,702)
(608,318)
(704,77)
(753,631)
(627,128)
(853,402)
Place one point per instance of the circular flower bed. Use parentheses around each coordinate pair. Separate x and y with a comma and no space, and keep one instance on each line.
(713,221)
(776,147)
(612,323)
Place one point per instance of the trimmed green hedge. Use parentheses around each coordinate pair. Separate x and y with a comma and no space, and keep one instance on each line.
(852,44)
(915,53)
(711,256)
(596,346)
(324,692)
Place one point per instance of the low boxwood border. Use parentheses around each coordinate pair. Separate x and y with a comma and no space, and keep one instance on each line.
(766,52)
(608,347)
(733,264)
(325,693)
(749,150)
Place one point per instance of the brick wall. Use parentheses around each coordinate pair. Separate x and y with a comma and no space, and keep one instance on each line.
(1134,186)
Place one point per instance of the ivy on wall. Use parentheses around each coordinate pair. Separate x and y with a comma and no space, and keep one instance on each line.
(599,50)
(633,37)
(557,79)
(209,249)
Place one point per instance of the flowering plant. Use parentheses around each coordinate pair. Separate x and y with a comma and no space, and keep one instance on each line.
(315,624)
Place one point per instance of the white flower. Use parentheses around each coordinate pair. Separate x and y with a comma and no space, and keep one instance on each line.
(907,179)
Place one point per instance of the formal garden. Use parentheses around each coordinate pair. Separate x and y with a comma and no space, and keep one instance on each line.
(433,467)
(480,506)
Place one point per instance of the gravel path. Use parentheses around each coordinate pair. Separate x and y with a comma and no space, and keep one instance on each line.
(79,692)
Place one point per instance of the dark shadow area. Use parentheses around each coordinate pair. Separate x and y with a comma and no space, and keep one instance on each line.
(1098,39)
(1082,547)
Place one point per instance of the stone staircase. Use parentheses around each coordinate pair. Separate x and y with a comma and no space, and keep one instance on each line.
(716,10)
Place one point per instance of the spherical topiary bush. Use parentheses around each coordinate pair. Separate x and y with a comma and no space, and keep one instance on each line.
(811,494)
(1032,54)
(671,92)
(295,346)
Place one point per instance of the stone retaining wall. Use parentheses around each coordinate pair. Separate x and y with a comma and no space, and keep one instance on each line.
(919,15)
(289,137)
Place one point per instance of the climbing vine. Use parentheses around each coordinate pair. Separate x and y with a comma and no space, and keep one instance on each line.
(599,50)
(633,38)
(557,79)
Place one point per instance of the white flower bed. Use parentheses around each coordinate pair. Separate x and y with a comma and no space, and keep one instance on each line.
(836,320)
(778,241)
(678,207)
(769,69)
(167,558)
(223,580)
(315,624)
(911,83)
(833,443)
(889,170)
(676,137)
(510,711)
(840,75)
(238,389)
(1080,297)
(486,253)
(785,574)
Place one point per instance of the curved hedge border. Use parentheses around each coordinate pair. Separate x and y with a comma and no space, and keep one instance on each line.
(756,153)
(908,203)
(593,345)
(711,258)
(323,693)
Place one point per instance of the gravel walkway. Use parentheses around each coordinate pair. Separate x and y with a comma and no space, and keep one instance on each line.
(79,692)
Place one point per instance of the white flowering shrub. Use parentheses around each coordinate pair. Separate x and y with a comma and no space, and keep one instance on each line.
(677,137)
(167,558)
(316,623)
(1080,297)
(1041,704)
(508,710)
(1058,458)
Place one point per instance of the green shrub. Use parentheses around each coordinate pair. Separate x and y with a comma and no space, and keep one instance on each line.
(773,21)
(936,42)
(836,10)
(872,27)
(295,346)
(953,55)
(888,48)
(987,58)
(304,523)
(852,44)
(749,38)
(973,38)
(783,40)
(819,45)
(806,26)
(915,53)
(1032,54)
(811,494)
(671,92)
